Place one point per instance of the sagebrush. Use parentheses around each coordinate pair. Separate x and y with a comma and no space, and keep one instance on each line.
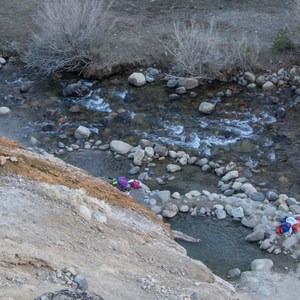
(71,32)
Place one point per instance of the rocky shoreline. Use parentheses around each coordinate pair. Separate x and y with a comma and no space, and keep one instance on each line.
(238,198)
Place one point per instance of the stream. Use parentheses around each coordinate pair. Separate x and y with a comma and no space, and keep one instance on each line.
(244,128)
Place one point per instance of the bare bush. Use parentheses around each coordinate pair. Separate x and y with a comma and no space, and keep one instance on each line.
(71,32)
(246,53)
(198,50)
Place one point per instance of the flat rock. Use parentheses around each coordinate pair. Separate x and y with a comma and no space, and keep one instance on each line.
(120,147)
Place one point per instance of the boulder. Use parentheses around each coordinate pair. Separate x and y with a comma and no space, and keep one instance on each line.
(82,133)
(4,110)
(250,221)
(138,157)
(220,214)
(188,83)
(268,86)
(263,264)
(237,212)
(230,175)
(169,211)
(160,150)
(250,77)
(137,79)
(120,147)
(206,107)
(149,151)
(171,168)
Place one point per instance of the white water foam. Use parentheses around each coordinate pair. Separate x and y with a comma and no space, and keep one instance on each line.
(95,102)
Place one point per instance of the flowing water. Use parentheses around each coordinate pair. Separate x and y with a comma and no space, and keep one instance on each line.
(244,128)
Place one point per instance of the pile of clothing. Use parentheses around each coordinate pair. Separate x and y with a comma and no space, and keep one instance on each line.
(288,225)
(125,185)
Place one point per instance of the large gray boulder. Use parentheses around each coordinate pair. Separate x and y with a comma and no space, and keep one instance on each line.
(120,147)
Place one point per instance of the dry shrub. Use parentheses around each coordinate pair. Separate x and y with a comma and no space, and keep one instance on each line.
(71,32)
(246,53)
(199,51)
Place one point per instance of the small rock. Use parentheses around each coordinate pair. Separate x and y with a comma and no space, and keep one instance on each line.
(173,97)
(4,110)
(250,77)
(220,214)
(134,170)
(181,90)
(268,86)
(234,273)
(172,83)
(82,132)
(188,83)
(272,196)
(257,196)
(170,211)
(184,208)
(206,107)
(171,168)
(263,264)
(230,175)
(81,281)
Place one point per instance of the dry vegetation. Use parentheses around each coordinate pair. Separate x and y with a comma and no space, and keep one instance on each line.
(199,50)
(74,35)
(71,33)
